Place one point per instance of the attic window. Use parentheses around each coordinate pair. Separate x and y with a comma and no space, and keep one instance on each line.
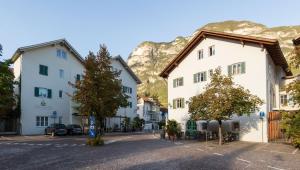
(61,54)
(211,50)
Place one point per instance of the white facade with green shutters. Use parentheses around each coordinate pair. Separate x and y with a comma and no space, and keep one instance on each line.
(45,71)
(250,65)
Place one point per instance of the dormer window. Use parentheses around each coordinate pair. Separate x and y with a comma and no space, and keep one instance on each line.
(211,50)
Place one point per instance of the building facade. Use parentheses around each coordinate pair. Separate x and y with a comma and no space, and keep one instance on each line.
(149,110)
(45,72)
(257,64)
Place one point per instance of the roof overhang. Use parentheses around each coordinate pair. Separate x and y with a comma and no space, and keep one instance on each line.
(124,64)
(271,45)
(62,42)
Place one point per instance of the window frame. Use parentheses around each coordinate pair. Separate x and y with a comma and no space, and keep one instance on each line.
(61,73)
(177,82)
(237,68)
(43,70)
(41,121)
(178,103)
(200,54)
(200,77)
(211,50)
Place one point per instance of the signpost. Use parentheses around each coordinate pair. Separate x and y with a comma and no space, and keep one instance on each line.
(261,116)
(92,130)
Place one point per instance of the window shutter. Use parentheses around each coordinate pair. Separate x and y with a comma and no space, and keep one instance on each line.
(243,67)
(182,81)
(174,83)
(41,69)
(205,76)
(195,78)
(49,93)
(229,70)
(36,92)
(174,104)
(182,102)
(46,70)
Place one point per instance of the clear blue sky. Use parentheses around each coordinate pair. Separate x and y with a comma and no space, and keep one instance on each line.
(123,24)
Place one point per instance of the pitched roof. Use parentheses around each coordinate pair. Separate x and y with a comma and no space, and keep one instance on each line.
(63,42)
(271,45)
(124,64)
(296,41)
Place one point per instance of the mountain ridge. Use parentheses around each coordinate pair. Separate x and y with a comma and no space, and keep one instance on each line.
(149,58)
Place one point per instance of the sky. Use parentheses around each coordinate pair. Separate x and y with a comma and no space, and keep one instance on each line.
(123,24)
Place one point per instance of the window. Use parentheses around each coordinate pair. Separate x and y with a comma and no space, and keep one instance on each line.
(210,72)
(211,50)
(283,100)
(42,92)
(200,54)
(78,77)
(60,93)
(130,104)
(42,121)
(178,103)
(61,73)
(127,90)
(178,82)
(61,54)
(43,70)
(237,68)
(200,77)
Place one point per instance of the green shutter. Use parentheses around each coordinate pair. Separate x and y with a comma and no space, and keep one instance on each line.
(41,69)
(243,67)
(36,92)
(182,102)
(49,93)
(182,81)
(205,76)
(195,78)
(229,70)
(174,104)
(174,83)
(46,70)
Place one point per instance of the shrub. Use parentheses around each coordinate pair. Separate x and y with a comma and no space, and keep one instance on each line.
(291,126)
(173,128)
(98,141)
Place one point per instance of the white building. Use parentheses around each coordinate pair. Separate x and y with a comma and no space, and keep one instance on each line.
(44,71)
(129,82)
(149,110)
(255,63)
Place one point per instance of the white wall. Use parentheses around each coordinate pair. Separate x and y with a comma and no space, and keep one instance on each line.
(227,52)
(30,105)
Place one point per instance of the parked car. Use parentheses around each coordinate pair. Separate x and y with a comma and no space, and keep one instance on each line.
(74,129)
(56,129)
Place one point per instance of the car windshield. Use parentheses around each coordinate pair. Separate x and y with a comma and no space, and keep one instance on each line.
(60,126)
(76,126)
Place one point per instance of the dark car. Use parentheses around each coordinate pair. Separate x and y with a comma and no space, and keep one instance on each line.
(74,129)
(56,129)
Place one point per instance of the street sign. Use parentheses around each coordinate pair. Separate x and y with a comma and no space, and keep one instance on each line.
(92,130)
(261,114)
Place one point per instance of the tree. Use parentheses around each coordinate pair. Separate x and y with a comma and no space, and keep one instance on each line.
(137,123)
(100,92)
(222,99)
(7,97)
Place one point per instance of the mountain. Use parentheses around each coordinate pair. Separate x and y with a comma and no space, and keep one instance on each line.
(148,59)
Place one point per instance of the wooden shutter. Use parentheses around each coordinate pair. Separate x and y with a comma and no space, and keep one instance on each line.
(41,69)
(46,70)
(229,70)
(174,83)
(205,76)
(243,67)
(49,93)
(174,104)
(195,78)
(182,102)
(36,92)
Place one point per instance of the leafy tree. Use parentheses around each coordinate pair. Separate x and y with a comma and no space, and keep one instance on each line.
(173,129)
(291,125)
(7,97)
(222,99)
(137,123)
(100,92)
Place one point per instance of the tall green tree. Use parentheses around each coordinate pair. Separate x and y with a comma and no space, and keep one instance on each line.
(7,97)
(100,92)
(221,99)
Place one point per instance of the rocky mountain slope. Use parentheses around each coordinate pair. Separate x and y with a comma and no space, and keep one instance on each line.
(149,58)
